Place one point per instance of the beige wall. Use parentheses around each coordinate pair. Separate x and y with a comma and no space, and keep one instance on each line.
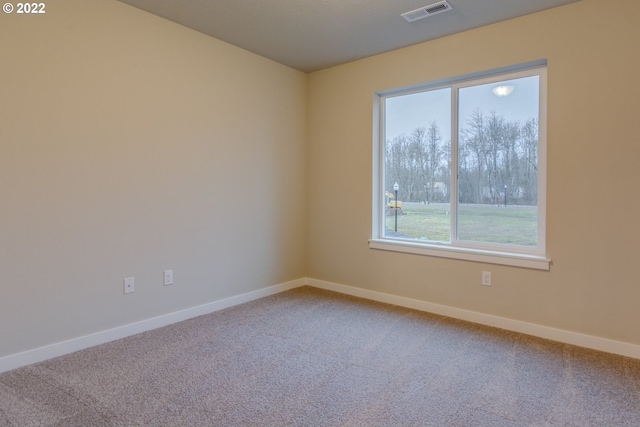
(593,232)
(130,145)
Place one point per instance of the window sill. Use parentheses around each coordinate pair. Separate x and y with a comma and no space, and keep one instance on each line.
(467,254)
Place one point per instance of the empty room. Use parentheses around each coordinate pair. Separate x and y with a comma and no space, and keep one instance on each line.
(287,212)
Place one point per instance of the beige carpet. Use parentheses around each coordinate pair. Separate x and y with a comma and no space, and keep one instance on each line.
(309,357)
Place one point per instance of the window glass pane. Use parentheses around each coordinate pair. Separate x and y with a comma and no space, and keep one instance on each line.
(417,157)
(498,162)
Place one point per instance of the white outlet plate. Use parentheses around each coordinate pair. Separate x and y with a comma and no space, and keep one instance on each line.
(486,278)
(168,277)
(129,285)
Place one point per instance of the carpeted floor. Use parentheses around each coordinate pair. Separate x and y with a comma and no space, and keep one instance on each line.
(309,357)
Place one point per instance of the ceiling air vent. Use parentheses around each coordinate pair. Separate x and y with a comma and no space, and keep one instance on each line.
(426,11)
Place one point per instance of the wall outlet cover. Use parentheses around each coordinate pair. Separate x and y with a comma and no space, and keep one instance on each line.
(129,285)
(168,277)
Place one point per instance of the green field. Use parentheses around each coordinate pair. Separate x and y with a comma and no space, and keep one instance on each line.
(477,223)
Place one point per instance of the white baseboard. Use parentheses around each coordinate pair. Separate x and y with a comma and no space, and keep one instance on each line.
(40,354)
(560,335)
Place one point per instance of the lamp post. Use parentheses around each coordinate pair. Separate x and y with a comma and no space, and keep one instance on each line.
(395,204)
(505,195)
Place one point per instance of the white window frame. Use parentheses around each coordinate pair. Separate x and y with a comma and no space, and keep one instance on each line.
(515,255)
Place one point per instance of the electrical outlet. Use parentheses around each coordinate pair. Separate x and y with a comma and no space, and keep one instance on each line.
(168,277)
(129,285)
(486,278)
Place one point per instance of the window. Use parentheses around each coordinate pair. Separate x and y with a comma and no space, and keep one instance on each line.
(460,168)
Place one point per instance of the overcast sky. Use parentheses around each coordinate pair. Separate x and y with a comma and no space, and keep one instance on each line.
(407,112)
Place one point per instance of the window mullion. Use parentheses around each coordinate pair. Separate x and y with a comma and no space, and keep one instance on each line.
(453,196)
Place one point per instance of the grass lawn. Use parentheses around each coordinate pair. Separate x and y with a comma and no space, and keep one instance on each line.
(477,223)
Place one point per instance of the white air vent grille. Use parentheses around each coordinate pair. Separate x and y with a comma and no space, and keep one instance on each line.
(426,11)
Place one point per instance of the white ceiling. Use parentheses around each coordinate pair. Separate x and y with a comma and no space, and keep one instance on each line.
(310,35)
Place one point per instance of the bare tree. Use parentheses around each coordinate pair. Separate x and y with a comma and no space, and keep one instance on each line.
(473,145)
(434,159)
(492,153)
(528,178)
